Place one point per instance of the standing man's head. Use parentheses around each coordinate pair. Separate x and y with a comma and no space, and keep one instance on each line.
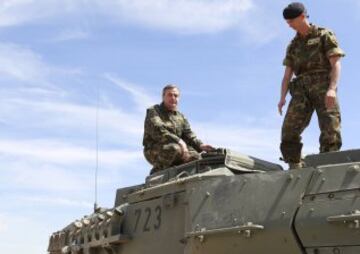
(170,96)
(296,16)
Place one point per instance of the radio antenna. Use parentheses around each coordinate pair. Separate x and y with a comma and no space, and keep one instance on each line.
(97,147)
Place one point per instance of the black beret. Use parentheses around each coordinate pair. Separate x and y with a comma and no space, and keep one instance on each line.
(294,10)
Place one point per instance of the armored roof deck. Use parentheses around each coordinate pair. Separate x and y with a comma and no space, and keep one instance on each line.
(236,162)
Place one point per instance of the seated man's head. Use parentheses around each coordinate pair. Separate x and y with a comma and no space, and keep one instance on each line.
(170,96)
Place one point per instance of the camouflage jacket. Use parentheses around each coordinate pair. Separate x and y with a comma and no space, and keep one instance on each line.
(311,53)
(163,126)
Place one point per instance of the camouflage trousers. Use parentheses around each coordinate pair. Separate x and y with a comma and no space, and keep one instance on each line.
(308,97)
(163,156)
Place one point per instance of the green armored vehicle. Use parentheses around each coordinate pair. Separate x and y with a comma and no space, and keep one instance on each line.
(228,203)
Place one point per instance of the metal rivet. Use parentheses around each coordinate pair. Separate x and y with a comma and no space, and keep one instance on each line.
(201,238)
(86,221)
(119,211)
(78,224)
(109,213)
(355,168)
(331,195)
(65,250)
(356,224)
(336,251)
(247,233)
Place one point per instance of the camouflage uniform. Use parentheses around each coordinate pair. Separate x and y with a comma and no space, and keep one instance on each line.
(163,130)
(308,58)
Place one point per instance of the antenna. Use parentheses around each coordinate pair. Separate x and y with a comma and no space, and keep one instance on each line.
(97,147)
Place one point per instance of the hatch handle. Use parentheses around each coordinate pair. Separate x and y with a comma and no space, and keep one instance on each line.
(353,217)
(246,229)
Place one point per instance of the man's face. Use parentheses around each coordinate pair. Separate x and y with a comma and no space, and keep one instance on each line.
(171,99)
(296,23)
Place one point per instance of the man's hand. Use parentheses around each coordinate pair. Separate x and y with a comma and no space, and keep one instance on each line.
(185,151)
(206,148)
(285,87)
(281,104)
(186,156)
(330,99)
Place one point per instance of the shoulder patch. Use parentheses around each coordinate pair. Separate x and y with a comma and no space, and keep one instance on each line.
(313,41)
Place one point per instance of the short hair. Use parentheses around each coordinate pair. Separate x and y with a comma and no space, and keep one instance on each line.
(168,87)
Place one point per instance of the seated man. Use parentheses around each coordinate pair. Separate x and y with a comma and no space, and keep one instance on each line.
(168,138)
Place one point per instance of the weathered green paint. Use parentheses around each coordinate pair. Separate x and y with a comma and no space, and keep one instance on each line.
(229,203)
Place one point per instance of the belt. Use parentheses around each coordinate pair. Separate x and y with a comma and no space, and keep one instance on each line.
(311,78)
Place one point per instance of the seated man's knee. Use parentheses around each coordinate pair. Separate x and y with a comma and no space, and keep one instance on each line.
(170,154)
(172,148)
(194,155)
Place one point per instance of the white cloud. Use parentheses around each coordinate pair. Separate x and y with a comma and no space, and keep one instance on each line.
(188,15)
(21,63)
(261,142)
(254,19)
(50,116)
(3,224)
(42,176)
(15,12)
(179,16)
(57,201)
(139,95)
(61,153)
(35,242)
(24,65)
(71,34)
(58,175)
(185,16)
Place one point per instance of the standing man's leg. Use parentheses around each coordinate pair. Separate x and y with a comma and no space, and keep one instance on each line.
(297,118)
(329,120)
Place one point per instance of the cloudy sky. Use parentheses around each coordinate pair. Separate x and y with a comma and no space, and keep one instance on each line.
(60,61)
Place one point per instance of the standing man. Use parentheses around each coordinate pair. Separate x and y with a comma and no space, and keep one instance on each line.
(314,57)
(168,138)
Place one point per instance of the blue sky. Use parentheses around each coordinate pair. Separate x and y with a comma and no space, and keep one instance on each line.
(225,55)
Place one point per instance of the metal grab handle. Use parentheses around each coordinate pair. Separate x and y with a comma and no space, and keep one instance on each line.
(353,218)
(182,174)
(344,217)
(246,228)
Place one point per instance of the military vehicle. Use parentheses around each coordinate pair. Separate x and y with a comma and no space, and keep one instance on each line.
(229,203)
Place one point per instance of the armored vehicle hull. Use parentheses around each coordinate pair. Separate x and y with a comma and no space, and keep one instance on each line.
(231,204)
